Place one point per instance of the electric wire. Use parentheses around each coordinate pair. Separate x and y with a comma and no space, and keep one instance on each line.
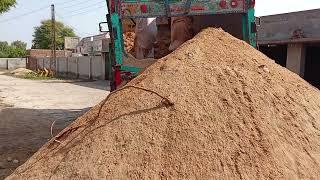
(85,12)
(69,14)
(68,2)
(48,6)
(24,14)
(76,4)
(83,8)
(76,29)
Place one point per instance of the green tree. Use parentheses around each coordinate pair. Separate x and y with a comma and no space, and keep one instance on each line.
(19,44)
(16,49)
(5,5)
(4,48)
(42,35)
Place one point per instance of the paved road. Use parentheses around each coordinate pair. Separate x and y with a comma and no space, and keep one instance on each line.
(28,108)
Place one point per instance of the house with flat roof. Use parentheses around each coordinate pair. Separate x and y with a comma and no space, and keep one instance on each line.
(293,41)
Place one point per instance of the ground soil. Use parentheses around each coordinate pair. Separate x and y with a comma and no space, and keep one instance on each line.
(226,111)
(28,109)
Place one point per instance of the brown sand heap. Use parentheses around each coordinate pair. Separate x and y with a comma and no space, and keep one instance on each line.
(236,115)
(140,63)
(21,72)
(128,38)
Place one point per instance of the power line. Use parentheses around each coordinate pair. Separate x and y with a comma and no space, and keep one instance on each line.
(76,4)
(24,14)
(68,2)
(88,6)
(80,32)
(84,12)
(48,6)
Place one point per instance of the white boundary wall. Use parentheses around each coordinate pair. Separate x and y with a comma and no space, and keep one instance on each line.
(84,67)
(12,63)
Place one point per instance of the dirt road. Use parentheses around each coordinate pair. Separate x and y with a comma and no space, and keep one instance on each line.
(28,108)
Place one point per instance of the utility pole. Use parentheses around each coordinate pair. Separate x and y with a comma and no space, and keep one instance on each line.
(53,34)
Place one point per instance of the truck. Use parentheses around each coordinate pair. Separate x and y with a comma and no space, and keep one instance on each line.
(234,16)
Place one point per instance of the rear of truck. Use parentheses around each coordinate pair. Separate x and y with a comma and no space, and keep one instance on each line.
(234,16)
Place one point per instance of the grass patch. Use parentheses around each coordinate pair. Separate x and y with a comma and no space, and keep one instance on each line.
(36,76)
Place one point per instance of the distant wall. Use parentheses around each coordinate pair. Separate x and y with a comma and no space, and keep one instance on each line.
(47,53)
(84,67)
(291,27)
(98,68)
(12,63)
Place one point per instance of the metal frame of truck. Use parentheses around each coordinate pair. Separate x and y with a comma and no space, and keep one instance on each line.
(120,9)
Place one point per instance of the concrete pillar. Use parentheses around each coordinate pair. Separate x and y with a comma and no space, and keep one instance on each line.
(296,58)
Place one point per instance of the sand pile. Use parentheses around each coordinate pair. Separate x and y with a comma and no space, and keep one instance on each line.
(21,72)
(236,115)
(140,63)
(128,38)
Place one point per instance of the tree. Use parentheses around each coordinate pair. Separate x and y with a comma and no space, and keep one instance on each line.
(42,35)
(19,44)
(4,47)
(18,49)
(15,50)
(5,5)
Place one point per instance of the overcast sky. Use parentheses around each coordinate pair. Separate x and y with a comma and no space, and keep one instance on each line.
(84,15)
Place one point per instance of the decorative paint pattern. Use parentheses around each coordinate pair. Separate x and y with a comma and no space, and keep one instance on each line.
(156,8)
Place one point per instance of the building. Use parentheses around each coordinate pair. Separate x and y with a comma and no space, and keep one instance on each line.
(70,43)
(93,45)
(293,41)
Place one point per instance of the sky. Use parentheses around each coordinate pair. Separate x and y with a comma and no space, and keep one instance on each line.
(84,15)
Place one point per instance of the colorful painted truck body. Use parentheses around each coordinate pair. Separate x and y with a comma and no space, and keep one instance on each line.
(241,14)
